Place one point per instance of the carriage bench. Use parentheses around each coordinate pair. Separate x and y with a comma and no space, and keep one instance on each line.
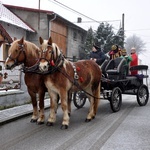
(142,73)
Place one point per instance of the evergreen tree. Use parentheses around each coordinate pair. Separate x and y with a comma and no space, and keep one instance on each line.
(119,38)
(89,42)
(104,36)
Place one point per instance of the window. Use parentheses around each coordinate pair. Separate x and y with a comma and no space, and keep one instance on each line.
(75,35)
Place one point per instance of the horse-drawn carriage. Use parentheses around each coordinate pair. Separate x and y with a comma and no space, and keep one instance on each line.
(46,69)
(116,81)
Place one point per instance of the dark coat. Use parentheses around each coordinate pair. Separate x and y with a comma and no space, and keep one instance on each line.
(99,55)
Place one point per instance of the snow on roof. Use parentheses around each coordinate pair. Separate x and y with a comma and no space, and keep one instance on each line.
(8,17)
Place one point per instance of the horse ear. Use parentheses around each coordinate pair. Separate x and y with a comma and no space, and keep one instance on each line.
(50,41)
(41,40)
(15,39)
(21,41)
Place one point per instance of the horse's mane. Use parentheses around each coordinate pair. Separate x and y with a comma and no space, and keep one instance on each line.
(30,48)
(55,48)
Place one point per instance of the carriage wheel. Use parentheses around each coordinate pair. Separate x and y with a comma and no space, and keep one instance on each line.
(116,99)
(142,95)
(79,99)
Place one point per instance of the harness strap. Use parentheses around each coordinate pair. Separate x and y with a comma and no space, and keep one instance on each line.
(76,83)
(76,77)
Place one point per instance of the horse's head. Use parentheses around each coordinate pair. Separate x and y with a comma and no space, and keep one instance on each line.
(17,53)
(50,54)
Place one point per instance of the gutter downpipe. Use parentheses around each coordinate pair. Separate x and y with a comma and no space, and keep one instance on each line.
(49,25)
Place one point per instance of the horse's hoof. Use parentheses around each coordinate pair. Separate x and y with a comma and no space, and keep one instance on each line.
(87,120)
(93,117)
(64,127)
(50,124)
(33,120)
(40,122)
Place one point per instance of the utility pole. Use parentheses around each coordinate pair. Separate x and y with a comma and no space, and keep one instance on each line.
(39,16)
(123,28)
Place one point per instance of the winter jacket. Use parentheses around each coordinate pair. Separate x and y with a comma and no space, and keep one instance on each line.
(99,56)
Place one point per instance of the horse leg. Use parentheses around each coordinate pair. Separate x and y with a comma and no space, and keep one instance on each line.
(94,101)
(64,106)
(90,115)
(41,106)
(57,103)
(97,99)
(34,104)
(53,107)
(69,102)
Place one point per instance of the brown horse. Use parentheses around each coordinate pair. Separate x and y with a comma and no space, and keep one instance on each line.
(22,51)
(63,77)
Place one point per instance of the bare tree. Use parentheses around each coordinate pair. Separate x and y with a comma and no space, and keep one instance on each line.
(135,41)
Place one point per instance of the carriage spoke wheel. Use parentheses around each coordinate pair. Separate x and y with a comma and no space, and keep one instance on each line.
(79,99)
(116,99)
(142,95)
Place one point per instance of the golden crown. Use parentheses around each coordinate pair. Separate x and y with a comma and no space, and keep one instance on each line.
(114,47)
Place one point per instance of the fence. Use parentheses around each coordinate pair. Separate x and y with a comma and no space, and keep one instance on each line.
(10,79)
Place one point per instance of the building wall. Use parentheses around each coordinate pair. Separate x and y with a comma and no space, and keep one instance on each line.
(38,21)
(61,30)
(58,32)
(76,39)
(14,31)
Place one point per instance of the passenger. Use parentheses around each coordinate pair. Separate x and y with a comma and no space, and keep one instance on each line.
(97,55)
(115,52)
(134,61)
(128,59)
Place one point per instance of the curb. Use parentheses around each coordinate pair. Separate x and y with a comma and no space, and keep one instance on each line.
(15,113)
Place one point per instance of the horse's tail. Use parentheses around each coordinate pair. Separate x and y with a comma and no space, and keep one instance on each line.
(97,98)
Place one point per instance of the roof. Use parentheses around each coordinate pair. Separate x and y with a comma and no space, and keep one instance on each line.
(6,36)
(47,12)
(70,24)
(28,9)
(7,16)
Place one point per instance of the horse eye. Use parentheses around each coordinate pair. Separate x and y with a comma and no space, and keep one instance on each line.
(16,51)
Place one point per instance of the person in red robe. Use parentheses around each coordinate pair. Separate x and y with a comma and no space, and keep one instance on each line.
(134,61)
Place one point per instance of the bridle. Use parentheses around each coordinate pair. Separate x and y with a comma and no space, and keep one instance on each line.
(53,64)
(21,50)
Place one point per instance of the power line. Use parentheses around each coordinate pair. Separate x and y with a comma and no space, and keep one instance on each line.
(69,8)
(138,30)
(99,21)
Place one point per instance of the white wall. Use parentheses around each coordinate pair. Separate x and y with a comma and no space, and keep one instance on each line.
(14,31)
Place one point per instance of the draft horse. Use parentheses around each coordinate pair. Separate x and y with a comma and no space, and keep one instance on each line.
(64,76)
(27,53)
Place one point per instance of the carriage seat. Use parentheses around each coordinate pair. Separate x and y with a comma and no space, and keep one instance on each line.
(103,67)
(142,71)
(116,68)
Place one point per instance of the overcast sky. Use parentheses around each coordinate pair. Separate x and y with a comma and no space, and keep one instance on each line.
(137,14)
